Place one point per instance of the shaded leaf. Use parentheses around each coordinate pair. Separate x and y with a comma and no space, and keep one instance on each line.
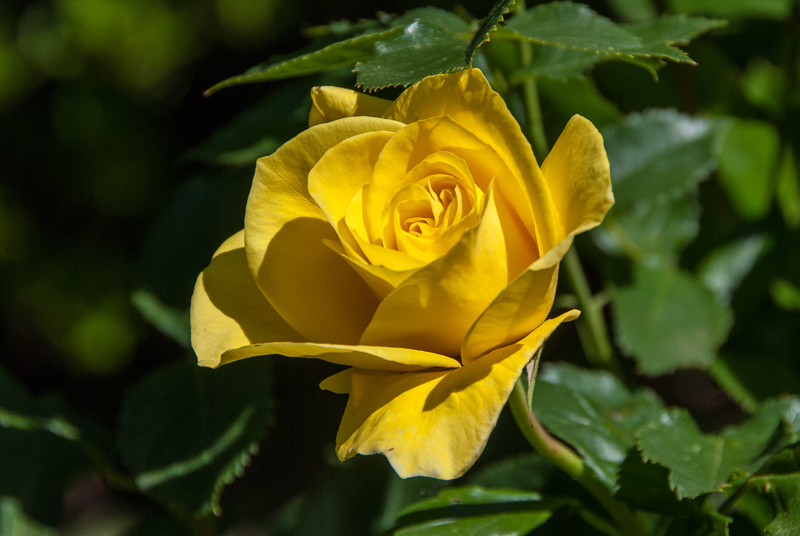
(659,34)
(528,472)
(783,491)
(700,463)
(723,269)
(171,322)
(660,228)
(645,486)
(186,431)
(421,49)
(748,158)
(594,413)
(667,320)
(709,524)
(734,9)
(785,294)
(558,63)
(787,191)
(565,99)
(659,154)
(14,522)
(41,450)
(634,10)
(476,511)
(327,58)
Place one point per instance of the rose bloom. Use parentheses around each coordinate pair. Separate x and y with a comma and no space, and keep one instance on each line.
(415,242)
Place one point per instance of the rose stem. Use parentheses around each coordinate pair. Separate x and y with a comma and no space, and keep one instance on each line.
(531,95)
(596,343)
(568,461)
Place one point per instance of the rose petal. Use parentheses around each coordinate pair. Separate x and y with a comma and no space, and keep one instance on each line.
(436,423)
(433,309)
(341,173)
(228,311)
(412,145)
(468,99)
(331,103)
(363,357)
(309,285)
(578,174)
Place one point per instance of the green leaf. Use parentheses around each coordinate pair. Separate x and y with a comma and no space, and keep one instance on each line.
(659,154)
(634,10)
(186,431)
(565,99)
(667,320)
(576,26)
(434,16)
(572,25)
(476,511)
(723,269)
(700,463)
(787,191)
(171,322)
(645,486)
(659,34)
(528,471)
(709,524)
(487,25)
(785,294)
(748,160)
(734,9)
(660,228)
(41,452)
(327,58)
(783,491)
(593,412)
(421,49)
(14,522)
(763,85)
(557,63)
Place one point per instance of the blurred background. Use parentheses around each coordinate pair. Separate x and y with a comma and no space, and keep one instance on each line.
(118,180)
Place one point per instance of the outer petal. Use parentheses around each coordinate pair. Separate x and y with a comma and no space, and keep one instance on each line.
(433,309)
(228,311)
(363,357)
(435,423)
(309,285)
(469,99)
(331,103)
(578,174)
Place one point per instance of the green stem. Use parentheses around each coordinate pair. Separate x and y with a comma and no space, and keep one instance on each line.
(596,343)
(531,96)
(727,381)
(568,461)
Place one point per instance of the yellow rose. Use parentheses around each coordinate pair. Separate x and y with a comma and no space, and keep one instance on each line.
(417,243)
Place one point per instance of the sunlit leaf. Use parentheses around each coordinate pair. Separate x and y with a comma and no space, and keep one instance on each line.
(748,159)
(723,269)
(700,463)
(434,16)
(667,320)
(186,431)
(594,413)
(421,50)
(659,154)
(576,26)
